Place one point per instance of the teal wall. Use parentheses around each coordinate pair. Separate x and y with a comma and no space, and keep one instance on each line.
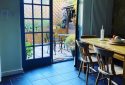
(10,35)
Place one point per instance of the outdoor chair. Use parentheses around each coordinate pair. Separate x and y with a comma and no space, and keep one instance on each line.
(48,41)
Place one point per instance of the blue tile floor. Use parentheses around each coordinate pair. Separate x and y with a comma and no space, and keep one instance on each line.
(63,73)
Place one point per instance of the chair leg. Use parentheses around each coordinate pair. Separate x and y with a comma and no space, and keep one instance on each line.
(55,47)
(97,79)
(84,67)
(109,81)
(80,68)
(87,74)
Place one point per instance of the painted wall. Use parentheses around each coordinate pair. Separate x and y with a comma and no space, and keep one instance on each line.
(10,35)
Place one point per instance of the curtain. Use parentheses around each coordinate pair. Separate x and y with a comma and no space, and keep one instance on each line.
(80,17)
(97,13)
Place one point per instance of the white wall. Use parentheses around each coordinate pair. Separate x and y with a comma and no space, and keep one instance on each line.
(10,36)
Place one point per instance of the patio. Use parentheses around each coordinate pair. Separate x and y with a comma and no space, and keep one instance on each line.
(58,55)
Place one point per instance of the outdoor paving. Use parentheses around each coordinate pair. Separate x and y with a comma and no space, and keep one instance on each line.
(57,56)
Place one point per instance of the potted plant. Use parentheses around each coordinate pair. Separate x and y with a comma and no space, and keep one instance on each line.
(70,43)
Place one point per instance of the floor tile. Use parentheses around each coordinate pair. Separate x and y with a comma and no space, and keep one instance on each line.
(20,81)
(77,81)
(7,82)
(41,82)
(64,83)
(56,79)
(70,75)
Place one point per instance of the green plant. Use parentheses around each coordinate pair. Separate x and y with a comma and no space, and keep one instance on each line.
(29,50)
(70,41)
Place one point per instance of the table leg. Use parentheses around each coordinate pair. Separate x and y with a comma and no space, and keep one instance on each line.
(60,42)
(61,45)
(124,72)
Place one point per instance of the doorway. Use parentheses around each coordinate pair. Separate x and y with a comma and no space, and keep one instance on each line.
(39,37)
(37,33)
(64,29)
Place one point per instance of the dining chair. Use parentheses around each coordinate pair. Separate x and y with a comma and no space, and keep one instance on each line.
(91,50)
(86,58)
(107,68)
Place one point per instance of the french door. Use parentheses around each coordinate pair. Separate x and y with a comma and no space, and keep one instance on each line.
(37,33)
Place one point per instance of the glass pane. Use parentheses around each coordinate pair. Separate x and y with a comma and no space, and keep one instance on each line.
(46,38)
(37,1)
(45,11)
(38,38)
(29,53)
(46,25)
(28,39)
(37,11)
(28,11)
(38,52)
(46,48)
(27,1)
(45,2)
(37,25)
(28,25)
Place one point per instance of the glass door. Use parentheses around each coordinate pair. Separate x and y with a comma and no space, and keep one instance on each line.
(37,33)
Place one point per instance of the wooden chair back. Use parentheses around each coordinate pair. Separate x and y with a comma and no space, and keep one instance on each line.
(84,51)
(89,36)
(105,59)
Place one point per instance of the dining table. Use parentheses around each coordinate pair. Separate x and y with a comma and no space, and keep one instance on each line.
(117,48)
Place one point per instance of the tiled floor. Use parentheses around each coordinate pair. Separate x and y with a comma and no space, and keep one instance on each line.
(57,74)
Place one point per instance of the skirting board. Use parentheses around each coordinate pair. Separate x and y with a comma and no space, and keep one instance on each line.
(12,72)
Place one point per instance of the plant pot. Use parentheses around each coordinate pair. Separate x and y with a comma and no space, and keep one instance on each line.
(73,52)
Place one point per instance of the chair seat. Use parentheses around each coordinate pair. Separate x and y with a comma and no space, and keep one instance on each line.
(118,70)
(93,57)
(91,51)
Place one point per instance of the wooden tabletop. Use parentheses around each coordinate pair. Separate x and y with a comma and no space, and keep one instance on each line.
(120,49)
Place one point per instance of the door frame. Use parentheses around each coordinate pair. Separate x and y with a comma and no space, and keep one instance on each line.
(30,64)
(77,33)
